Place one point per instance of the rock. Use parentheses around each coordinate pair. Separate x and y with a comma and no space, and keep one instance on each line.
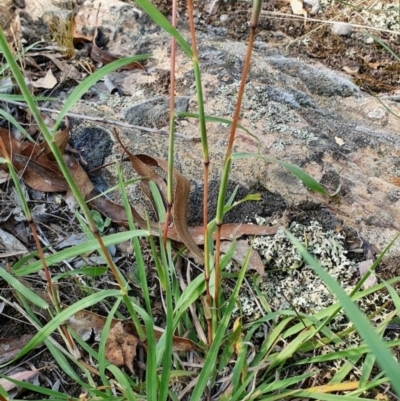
(294,110)
(341,28)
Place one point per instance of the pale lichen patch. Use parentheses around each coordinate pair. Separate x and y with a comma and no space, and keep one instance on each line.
(292,283)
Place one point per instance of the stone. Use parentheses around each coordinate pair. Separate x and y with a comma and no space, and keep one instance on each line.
(341,28)
(294,109)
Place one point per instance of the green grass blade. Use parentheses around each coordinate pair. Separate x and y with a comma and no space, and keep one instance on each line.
(135,241)
(89,246)
(211,358)
(367,367)
(161,21)
(164,346)
(23,290)
(46,330)
(85,85)
(151,363)
(5,97)
(296,171)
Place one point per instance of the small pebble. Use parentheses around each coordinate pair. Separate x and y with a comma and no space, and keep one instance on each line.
(376,114)
(341,29)
(223,17)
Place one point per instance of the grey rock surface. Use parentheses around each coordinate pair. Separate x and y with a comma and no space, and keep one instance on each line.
(304,114)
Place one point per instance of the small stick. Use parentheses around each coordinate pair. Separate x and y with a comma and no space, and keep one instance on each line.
(113,122)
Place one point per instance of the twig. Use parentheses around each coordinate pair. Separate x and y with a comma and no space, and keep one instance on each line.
(277,14)
(106,121)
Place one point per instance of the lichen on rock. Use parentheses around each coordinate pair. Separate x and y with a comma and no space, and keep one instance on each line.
(293,284)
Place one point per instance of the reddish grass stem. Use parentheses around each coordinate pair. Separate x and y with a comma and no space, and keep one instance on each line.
(206,163)
(222,193)
(171,144)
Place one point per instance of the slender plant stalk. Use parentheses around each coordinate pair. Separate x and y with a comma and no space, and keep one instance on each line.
(206,162)
(50,288)
(228,157)
(171,143)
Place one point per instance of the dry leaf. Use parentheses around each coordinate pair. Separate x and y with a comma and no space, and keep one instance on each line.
(60,139)
(123,338)
(49,81)
(26,375)
(339,141)
(121,346)
(85,186)
(38,176)
(10,347)
(241,250)
(297,9)
(36,169)
(375,65)
(11,244)
(87,324)
(351,70)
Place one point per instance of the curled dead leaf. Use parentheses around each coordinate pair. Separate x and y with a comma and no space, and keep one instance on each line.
(241,250)
(297,9)
(49,81)
(10,347)
(121,346)
(122,339)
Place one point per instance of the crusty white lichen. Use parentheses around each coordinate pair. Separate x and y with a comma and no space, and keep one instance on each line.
(291,283)
(383,15)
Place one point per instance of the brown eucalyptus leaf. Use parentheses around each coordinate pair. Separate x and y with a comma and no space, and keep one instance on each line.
(11,144)
(241,250)
(10,347)
(60,139)
(231,231)
(39,176)
(37,170)
(81,179)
